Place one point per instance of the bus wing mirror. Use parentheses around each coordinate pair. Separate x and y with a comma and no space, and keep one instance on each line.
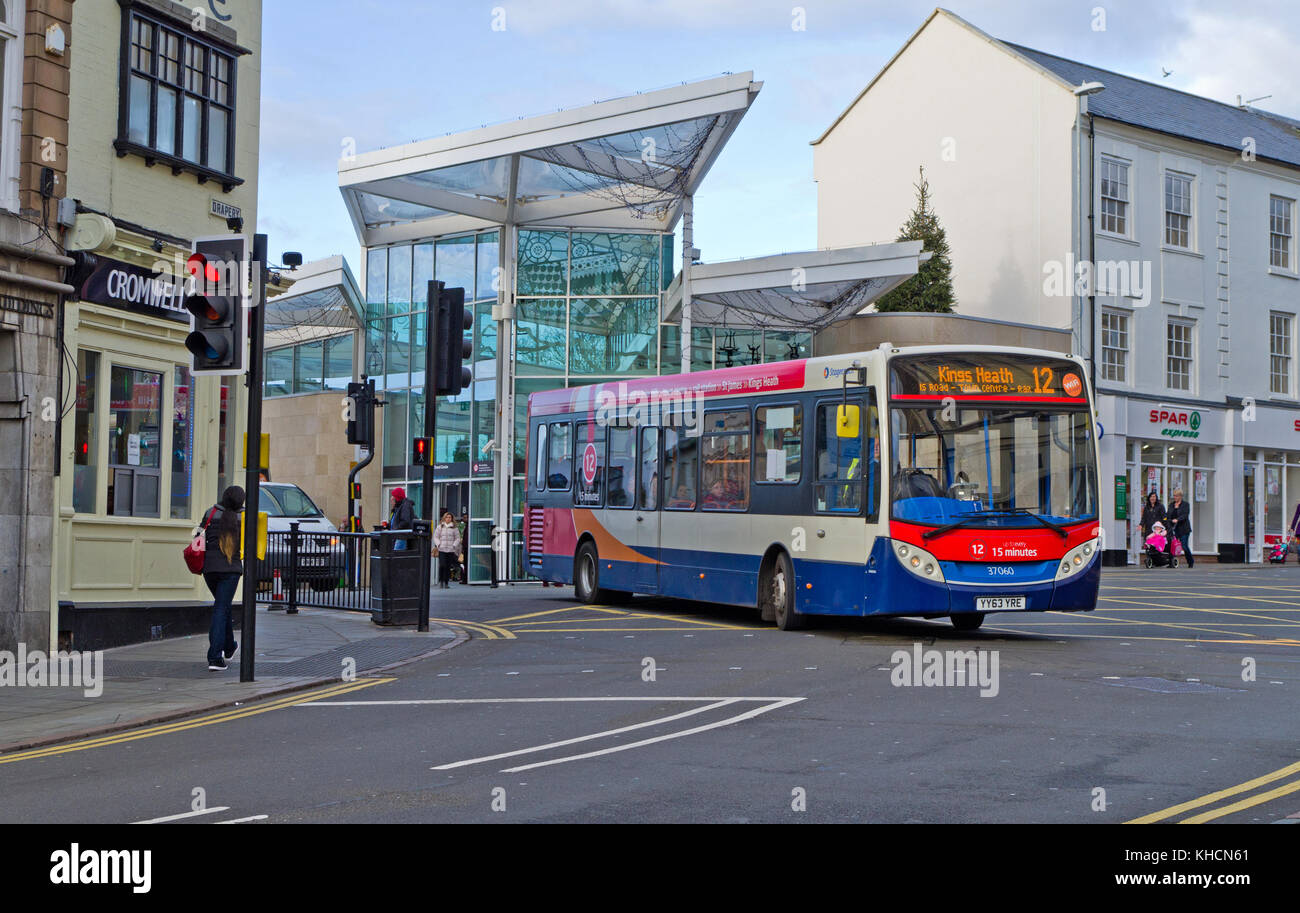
(847,419)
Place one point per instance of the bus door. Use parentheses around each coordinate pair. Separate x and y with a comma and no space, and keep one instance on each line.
(647,533)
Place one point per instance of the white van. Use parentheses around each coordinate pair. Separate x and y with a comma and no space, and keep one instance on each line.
(321,555)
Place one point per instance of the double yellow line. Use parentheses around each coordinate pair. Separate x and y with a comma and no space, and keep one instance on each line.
(223,716)
(1240,805)
(483,629)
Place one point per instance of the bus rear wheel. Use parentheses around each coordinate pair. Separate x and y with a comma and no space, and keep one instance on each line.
(778,595)
(968,621)
(586,578)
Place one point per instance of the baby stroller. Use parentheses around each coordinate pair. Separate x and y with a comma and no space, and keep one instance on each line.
(1277,552)
(1156,544)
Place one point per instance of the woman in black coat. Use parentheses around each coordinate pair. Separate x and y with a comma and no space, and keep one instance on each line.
(222,568)
(1152,512)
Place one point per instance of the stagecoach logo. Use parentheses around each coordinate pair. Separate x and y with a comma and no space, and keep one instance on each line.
(828,373)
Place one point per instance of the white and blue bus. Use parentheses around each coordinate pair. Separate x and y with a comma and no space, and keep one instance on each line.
(919,481)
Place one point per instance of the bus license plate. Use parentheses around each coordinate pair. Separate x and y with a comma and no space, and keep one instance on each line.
(999,603)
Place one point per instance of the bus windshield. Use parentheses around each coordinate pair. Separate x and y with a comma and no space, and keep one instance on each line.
(993,466)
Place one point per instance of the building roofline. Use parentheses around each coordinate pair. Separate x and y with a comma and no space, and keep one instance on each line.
(1000,45)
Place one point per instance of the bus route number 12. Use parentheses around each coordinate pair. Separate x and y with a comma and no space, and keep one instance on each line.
(589,464)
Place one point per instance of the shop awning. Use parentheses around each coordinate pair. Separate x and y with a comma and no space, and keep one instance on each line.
(625,163)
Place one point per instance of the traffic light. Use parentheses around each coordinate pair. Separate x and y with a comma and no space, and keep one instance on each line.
(420,448)
(215,297)
(361,425)
(453,348)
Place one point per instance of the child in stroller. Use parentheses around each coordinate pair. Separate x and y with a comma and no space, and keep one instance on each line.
(1157,548)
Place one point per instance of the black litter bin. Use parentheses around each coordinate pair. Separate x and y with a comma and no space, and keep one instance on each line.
(395,581)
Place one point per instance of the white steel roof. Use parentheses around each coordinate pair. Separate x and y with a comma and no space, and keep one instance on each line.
(625,163)
(806,290)
(323,300)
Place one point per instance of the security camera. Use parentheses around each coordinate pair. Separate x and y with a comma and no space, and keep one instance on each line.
(235,223)
(489,446)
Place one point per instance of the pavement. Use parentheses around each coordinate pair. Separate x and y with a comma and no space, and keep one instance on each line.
(167,679)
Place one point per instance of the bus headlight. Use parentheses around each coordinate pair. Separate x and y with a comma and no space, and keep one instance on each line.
(1077,560)
(919,562)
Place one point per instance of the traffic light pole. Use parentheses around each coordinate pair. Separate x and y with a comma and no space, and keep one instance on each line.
(253,457)
(431,337)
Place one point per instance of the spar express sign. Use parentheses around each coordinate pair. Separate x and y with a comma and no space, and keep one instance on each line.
(1175,422)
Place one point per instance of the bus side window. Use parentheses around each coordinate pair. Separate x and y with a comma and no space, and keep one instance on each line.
(622,467)
(541,455)
(589,462)
(557,472)
(680,452)
(648,491)
(839,466)
(872,448)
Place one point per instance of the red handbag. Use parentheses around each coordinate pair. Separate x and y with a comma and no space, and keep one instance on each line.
(196,551)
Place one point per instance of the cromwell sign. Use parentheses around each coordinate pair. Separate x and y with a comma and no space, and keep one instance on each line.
(134,288)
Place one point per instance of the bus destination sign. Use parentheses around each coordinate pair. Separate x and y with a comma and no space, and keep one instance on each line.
(985,374)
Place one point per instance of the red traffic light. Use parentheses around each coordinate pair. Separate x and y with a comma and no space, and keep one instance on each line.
(199,264)
(420,451)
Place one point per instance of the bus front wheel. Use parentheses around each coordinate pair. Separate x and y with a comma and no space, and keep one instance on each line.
(778,594)
(968,621)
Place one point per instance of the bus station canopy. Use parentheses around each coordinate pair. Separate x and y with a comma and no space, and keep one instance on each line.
(323,299)
(807,290)
(624,163)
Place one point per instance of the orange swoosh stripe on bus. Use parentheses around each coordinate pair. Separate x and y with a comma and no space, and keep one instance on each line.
(607,544)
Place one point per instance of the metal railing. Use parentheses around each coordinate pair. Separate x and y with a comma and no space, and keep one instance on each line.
(515,567)
(305,567)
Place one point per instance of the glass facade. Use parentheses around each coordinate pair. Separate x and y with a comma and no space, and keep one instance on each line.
(587,310)
(309,367)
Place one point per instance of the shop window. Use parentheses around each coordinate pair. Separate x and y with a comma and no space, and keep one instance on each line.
(85,461)
(182,442)
(134,442)
(177,98)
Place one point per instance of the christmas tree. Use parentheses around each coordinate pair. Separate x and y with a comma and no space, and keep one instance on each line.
(931,288)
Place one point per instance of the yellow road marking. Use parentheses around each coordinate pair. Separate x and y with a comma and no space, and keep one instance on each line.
(1221,794)
(224,716)
(489,631)
(1191,609)
(1243,804)
(593,630)
(572,608)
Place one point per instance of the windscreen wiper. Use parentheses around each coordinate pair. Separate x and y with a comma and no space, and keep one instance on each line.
(986,514)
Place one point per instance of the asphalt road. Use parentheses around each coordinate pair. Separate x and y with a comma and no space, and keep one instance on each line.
(674,711)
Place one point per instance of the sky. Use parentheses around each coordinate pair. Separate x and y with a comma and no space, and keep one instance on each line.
(380,73)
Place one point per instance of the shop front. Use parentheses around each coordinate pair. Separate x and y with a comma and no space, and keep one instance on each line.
(1269,468)
(1166,447)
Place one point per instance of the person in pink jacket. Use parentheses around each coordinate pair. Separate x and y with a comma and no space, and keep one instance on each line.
(446,542)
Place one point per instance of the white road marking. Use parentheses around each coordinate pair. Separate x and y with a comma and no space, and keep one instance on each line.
(587,738)
(531,700)
(243,820)
(663,738)
(202,811)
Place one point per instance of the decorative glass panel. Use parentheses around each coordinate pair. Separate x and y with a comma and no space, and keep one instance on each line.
(603,263)
(617,336)
(543,263)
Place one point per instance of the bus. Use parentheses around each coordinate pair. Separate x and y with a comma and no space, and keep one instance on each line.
(917,481)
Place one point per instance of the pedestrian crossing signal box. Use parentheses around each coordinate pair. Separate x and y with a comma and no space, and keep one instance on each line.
(420,451)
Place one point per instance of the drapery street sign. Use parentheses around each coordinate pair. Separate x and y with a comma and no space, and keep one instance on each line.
(134,288)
